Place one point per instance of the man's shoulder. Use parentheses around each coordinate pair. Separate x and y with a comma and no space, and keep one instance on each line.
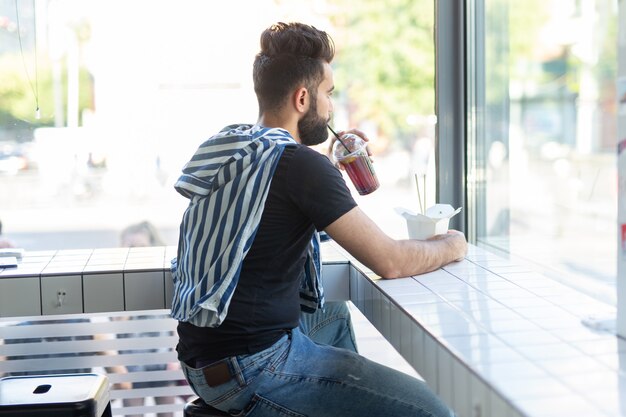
(303,154)
(300,161)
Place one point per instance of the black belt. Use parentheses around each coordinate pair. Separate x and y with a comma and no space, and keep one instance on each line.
(216,374)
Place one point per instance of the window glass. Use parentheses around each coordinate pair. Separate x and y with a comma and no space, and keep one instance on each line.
(545,121)
(126,91)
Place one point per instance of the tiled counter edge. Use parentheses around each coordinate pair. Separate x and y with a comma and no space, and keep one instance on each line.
(386,304)
(87,281)
(108,280)
(493,338)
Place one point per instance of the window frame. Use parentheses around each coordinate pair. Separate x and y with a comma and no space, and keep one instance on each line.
(450,108)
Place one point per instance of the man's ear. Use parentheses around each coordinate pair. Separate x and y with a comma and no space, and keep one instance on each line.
(301,99)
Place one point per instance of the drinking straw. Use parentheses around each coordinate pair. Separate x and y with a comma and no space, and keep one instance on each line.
(419,196)
(339,139)
(424,192)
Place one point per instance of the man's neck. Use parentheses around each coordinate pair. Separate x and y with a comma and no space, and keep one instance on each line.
(290,124)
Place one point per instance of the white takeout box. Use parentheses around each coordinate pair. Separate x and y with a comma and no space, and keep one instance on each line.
(434,221)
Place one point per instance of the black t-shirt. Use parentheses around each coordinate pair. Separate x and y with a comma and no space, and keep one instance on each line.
(307,193)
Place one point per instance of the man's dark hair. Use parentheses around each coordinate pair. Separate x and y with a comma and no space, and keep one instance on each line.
(291,54)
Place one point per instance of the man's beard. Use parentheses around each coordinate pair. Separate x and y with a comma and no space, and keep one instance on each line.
(312,128)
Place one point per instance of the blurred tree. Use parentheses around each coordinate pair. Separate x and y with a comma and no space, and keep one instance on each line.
(24,75)
(385,64)
(17,100)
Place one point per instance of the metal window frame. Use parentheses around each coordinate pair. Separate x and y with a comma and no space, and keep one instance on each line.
(450,106)
(621,170)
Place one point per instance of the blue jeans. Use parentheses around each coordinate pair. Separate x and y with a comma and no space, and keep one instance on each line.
(299,377)
(330,326)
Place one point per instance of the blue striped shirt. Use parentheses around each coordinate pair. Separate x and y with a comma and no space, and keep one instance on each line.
(227,182)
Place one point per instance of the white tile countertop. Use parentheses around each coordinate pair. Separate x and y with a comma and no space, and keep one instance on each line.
(511,332)
(87,281)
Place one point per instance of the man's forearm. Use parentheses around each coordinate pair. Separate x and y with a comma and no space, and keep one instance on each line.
(391,258)
(415,257)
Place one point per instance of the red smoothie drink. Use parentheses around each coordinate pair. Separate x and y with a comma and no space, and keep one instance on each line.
(354,158)
(361,172)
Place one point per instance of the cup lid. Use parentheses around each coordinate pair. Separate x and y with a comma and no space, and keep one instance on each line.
(353,143)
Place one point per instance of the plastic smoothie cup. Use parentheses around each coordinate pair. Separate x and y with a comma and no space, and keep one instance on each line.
(357,163)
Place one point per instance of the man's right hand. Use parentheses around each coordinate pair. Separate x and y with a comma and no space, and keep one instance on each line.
(360,133)
(457,242)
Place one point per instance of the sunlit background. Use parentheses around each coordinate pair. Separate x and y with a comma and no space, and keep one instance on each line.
(128,89)
(126,96)
(546,142)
